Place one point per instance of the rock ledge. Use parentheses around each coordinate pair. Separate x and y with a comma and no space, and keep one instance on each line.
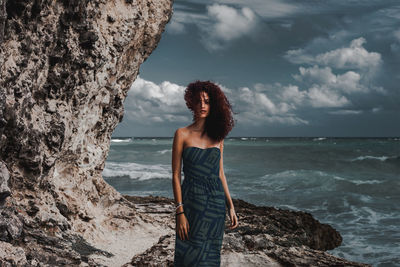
(265,236)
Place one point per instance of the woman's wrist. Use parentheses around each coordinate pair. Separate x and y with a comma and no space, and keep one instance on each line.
(179,209)
(178,213)
(231,208)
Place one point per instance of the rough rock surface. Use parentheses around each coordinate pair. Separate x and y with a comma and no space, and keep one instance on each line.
(265,237)
(65,69)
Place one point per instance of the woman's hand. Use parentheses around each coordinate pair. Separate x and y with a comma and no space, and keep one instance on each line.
(182,226)
(234,219)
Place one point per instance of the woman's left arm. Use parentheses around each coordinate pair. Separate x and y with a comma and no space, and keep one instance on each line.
(231,211)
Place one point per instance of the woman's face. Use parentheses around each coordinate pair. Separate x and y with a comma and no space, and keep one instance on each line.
(203,106)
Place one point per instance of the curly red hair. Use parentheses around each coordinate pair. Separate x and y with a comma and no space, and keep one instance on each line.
(220,121)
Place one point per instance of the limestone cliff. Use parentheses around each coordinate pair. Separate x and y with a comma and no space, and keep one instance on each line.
(65,69)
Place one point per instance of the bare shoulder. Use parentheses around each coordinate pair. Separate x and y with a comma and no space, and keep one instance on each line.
(181,135)
(181,132)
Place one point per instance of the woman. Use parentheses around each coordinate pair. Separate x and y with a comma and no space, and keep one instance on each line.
(202,199)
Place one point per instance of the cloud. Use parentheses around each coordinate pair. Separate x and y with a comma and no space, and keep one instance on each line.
(262,102)
(326,89)
(161,104)
(175,27)
(395,46)
(321,96)
(353,57)
(316,96)
(182,17)
(376,109)
(220,25)
(349,82)
(291,93)
(346,112)
(231,23)
(396,35)
(149,103)
(272,9)
(227,24)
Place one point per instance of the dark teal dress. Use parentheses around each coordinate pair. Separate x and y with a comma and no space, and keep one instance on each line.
(204,205)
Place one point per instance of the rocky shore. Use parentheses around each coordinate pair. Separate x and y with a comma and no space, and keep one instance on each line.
(265,236)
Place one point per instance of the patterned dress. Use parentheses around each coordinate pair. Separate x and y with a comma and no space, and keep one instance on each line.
(204,204)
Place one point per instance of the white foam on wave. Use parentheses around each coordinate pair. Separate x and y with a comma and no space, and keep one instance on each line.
(295,173)
(136,171)
(319,139)
(296,180)
(366,199)
(307,179)
(164,151)
(364,215)
(357,214)
(381,158)
(339,178)
(291,207)
(373,217)
(358,182)
(121,140)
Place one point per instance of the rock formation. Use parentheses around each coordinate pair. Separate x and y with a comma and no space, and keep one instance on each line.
(65,69)
(265,237)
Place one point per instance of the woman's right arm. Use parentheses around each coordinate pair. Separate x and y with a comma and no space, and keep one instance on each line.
(182,225)
(177,147)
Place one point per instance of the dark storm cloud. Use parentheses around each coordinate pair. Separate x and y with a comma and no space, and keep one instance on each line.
(289,67)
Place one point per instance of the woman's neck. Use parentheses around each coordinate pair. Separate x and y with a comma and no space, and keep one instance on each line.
(199,124)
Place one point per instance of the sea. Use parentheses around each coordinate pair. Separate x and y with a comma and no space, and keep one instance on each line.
(353,184)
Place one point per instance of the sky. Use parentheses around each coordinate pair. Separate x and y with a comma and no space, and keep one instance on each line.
(289,68)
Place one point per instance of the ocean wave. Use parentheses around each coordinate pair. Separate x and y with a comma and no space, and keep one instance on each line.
(319,139)
(136,171)
(295,179)
(290,207)
(295,173)
(125,140)
(359,182)
(290,180)
(164,151)
(381,158)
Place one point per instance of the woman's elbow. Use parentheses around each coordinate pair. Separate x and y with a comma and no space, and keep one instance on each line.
(176,178)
